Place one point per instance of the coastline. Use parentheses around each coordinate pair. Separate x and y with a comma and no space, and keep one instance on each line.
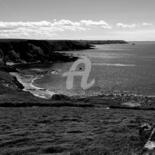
(44,95)
(109,101)
(28,85)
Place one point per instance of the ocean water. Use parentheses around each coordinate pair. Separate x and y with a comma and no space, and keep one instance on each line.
(123,68)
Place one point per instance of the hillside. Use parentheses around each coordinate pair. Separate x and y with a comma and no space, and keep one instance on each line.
(24,51)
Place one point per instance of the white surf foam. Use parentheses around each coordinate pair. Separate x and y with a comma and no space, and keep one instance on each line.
(116,65)
(28,82)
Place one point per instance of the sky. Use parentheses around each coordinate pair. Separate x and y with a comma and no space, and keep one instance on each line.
(131,20)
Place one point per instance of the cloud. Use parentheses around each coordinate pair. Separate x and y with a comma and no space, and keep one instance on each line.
(48,28)
(122,25)
(130,26)
(147,24)
(100,23)
(68,29)
(63,24)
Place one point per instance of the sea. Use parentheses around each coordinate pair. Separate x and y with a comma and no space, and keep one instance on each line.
(116,68)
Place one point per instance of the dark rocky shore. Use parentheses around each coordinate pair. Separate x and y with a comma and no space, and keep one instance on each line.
(106,124)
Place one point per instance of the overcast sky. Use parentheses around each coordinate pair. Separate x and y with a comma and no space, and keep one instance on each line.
(78,19)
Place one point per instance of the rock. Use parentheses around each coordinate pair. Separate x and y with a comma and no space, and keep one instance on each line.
(60,97)
(147,136)
(6,68)
(1,57)
(144,132)
(150,145)
(18,84)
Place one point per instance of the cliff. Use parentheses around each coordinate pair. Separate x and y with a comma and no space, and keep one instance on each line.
(38,51)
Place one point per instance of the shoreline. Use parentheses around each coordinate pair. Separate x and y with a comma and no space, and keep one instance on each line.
(30,87)
(27,80)
(31,95)
(110,101)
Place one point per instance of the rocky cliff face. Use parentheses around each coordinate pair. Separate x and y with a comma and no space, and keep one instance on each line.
(23,51)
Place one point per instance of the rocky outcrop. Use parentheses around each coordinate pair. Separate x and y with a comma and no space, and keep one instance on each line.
(26,51)
(147,137)
(8,83)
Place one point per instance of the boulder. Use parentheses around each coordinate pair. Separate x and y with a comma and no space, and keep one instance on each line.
(60,97)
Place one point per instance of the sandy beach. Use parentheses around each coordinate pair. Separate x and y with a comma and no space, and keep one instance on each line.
(28,80)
